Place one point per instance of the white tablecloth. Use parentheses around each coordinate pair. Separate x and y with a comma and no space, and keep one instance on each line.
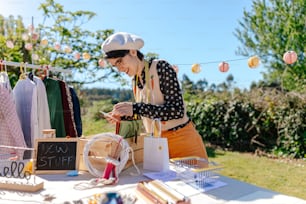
(60,188)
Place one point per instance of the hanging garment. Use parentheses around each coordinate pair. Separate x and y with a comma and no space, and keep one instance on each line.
(55,106)
(43,114)
(67,110)
(10,129)
(76,111)
(25,95)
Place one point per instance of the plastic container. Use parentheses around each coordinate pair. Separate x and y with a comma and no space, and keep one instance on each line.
(195,171)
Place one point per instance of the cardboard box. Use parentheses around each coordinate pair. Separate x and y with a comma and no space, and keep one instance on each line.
(101,148)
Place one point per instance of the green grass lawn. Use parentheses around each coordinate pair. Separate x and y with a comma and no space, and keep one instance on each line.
(283,176)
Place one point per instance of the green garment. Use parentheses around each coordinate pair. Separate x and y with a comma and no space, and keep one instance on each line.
(55,106)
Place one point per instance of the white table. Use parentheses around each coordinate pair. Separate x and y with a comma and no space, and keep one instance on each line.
(62,188)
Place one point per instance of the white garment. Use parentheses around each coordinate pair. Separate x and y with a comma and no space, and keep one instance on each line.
(43,114)
(25,95)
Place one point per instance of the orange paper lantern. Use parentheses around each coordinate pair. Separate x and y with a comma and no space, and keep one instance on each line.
(290,57)
(223,67)
(44,42)
(67,49)
(253,62)
(86,56)
(195,68)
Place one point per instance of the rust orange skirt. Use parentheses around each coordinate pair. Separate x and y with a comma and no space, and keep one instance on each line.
(185,142)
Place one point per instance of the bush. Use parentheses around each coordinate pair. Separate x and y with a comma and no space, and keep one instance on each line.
(266,120)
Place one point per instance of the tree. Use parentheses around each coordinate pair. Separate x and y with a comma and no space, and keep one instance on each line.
(201,85)
(270,29)
(60,27)
(230,81)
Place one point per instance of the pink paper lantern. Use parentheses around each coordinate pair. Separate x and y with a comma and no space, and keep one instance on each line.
(175,67)
(28,46)
(223,67)
(9,44)
(35,57)
(77,56)
(25,36)
(31,28)
(290,57)
(101,63)
(57,46)
(35,36)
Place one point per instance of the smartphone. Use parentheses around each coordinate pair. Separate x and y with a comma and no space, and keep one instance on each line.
(106,115)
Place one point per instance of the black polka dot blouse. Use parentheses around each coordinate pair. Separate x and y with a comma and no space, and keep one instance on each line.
(173,108)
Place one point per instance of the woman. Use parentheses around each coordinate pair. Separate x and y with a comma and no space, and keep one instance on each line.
(157,95)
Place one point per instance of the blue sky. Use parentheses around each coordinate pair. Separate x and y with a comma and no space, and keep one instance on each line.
(180,31)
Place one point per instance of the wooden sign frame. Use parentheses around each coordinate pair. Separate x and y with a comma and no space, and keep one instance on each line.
(56,150)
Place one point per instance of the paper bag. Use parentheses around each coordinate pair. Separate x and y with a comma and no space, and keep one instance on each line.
(155,150)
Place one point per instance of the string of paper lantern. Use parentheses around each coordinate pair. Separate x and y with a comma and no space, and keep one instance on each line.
(32,36)
(223,66)
(289,57)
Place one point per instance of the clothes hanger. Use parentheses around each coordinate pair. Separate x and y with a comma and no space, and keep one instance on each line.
(30,75)
(22,73)
(41,72)
(47,72)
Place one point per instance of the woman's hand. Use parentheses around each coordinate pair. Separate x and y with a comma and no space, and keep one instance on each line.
(123,109)
(110,117)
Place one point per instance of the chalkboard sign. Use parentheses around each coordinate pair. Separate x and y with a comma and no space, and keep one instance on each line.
(56,155)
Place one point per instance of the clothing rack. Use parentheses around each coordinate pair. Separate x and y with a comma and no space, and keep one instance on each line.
(32,66)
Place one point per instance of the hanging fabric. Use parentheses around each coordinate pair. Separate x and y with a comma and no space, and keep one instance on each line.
(43,113)
(10,129)
(70,127)
(25,95)
(44,104)
(76,111)
(55,106)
